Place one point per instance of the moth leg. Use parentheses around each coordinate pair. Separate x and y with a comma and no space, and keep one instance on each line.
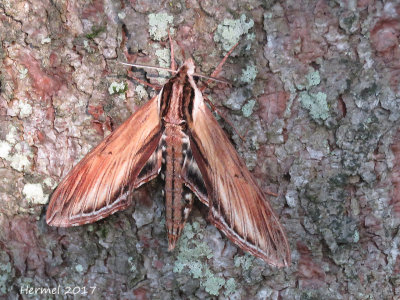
(215,74)
(222,115)
(171,46)
(181,48)
(271,193)
(153,86)
(218,69)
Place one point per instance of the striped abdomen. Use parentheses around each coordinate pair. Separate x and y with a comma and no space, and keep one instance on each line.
(178,198)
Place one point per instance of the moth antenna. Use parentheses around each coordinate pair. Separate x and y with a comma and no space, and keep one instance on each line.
(174,71)
(171,46)
(212,78)
(148,67)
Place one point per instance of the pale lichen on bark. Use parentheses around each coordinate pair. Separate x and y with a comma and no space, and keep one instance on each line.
(316,96)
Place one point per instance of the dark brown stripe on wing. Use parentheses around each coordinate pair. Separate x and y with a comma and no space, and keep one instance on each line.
(188,101)
(166,98)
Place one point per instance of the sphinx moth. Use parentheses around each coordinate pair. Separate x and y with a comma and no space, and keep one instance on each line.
(174,134)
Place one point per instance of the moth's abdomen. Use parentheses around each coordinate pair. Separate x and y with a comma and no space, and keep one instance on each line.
(178,198)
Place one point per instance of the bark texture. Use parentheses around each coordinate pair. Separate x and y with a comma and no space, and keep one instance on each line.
(316,96)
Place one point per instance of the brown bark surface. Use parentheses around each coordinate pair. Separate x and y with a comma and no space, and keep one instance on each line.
(315,94)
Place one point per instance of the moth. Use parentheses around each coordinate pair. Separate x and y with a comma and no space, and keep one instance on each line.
(174,134)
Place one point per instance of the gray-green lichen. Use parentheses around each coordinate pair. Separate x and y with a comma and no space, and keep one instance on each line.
(164,60)
(33,192)
(316,104)
(356,236)
(247,109)
(5,149)
(229,32)
(249,74)
(86,46)
(192,254)
(159,24)
(212,283)
(164,57)
(20,162)
(338,230)
(313,78)
(121,15)
(141,92)
(13,135)
(17,153)
(46,40)
(79,268)
(22,72)
(96,30)
(244,261)
(7,272)
(50,182)
(230,287)
(20,108)
(117,88)
(4,277)
(132,264)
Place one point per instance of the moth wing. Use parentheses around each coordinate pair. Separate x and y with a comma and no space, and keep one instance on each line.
(237,205)
(150,169)
(101,182)
(193,178)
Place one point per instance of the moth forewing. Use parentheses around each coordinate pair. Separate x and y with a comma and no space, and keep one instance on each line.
(95,187)
(237,205)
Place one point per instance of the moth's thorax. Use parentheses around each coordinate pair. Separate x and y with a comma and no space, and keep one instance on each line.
(176,98)
(173,113)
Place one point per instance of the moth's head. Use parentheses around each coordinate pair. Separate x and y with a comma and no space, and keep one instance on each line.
(189,64)
(187,69)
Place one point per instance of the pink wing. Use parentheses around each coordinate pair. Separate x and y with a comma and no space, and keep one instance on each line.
(237,205)
(100,183)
